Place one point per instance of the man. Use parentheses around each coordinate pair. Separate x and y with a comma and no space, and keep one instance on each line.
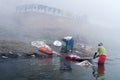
(69,43)
(65,63)
(101,51)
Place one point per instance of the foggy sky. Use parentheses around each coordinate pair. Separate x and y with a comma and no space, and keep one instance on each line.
(103,12)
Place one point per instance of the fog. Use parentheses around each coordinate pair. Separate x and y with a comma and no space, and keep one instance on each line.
(102,23)
(103,12)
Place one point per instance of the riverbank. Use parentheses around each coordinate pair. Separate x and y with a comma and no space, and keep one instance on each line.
(17,32)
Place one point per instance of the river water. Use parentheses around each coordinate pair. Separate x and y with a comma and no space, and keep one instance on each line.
(48,68)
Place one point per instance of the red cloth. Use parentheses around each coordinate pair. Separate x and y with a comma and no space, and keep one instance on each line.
(101,59)
(101,69)
(70,58)
(45,50)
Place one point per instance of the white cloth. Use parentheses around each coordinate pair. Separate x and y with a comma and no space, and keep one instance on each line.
(57,43)
(68,37)
(40,44)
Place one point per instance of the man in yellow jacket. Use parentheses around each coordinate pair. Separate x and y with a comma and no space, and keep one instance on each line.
(101,51)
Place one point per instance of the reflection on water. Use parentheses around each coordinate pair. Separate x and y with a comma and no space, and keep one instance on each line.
(99,72)
(65,64)
(47,68)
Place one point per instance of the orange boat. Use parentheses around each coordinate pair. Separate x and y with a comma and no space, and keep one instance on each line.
(45,50)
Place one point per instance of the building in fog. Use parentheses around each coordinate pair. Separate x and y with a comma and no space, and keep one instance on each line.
(39,8)
(45,9)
